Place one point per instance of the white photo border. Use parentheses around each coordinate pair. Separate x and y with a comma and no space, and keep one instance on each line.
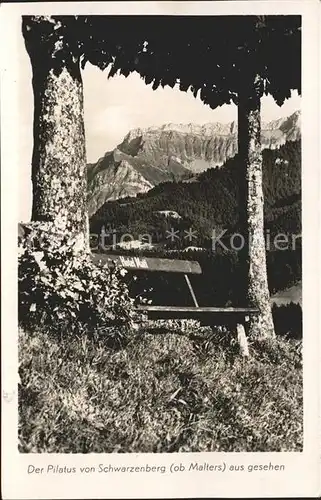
(302,471)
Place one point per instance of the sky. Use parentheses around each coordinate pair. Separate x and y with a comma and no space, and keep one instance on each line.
(114,106)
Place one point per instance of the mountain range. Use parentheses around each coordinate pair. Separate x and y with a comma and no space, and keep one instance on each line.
(173,152)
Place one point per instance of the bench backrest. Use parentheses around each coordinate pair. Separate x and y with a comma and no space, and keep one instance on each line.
(149,263)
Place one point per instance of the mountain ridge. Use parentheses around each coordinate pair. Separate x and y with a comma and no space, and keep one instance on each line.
(149,156)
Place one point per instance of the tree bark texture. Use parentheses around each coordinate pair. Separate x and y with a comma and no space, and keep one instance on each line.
(59,177)
(250,154)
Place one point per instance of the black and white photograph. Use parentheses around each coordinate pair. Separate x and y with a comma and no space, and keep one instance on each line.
(160,271)
(159,238)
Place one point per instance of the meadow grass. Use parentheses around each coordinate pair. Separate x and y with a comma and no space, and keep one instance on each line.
(161,391)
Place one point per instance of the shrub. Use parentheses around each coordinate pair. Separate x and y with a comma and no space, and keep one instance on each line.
(61,288)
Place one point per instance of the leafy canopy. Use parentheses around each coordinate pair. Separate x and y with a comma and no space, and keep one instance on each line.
(211,55)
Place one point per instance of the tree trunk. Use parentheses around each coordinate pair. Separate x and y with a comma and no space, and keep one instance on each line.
(59,175)
(250,154)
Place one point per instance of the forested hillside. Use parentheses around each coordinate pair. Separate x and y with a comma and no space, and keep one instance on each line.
(211,201)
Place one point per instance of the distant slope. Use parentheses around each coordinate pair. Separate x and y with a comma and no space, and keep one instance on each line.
(292,294)
(118,175)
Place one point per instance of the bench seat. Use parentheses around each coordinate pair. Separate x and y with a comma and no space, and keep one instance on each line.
(207,315)
(234,317)
(200,310)
(210,315)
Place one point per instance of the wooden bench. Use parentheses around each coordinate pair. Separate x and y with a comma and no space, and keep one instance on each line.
(234,317)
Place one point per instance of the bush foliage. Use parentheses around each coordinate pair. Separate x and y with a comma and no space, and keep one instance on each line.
(62,289)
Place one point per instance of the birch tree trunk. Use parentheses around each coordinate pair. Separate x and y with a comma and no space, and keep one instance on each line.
(59,176)
(250,154)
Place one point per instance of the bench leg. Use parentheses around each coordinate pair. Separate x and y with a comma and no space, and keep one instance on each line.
(189,284)
(242,340)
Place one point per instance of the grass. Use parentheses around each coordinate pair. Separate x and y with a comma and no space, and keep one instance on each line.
(161,392)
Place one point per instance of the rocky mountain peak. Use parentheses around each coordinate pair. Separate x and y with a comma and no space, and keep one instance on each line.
(171,152)
(208,129)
